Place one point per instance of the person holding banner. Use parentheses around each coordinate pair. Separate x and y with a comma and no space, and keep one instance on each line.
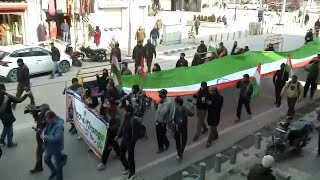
(110,114)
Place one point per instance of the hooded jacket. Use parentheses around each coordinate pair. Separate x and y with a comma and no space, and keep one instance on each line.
(23,75)
(258,172)
(138,53)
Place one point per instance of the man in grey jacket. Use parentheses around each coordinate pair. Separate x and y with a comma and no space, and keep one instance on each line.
(65,30)
(163,116)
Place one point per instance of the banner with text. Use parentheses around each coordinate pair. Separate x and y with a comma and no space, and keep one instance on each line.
(91,127)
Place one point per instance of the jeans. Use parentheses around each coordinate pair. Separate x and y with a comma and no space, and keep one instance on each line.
(56,67)
(39,152)
(243,101)
(65,36)
(181,137)
(149,63)
(291,105)
(7,132)
(154,41)
(111,143)
(161,131)
(55,169)
(313,84)
(128,163)
(213,134)
(202,113)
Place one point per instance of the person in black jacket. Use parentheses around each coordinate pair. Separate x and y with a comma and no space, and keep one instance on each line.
(128,133)
(180,120)
(150,52)
(6,114)
(279,80)
(137,54)
(312,78)
(182,62)
(202,49)
(246,91)
(202,108)
(41,123)
(55,54)
(309,36)
(156,68)
(23,82)
(102,81)
(110,114)
(215,103)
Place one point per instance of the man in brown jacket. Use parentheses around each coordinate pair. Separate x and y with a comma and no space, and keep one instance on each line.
(140,35)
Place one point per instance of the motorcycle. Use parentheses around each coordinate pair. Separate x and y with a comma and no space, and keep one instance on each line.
(289,137)
(96,55)
(74,55)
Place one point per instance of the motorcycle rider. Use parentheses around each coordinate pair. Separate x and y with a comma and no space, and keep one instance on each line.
(294,91)
(309,36)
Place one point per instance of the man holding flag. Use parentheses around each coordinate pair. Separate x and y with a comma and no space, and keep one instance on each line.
(246,91)
(279,80)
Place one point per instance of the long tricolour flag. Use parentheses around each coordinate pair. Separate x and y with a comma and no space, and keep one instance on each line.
(256,82)
(229,68)
(212,47)
(289,68)
(115,69)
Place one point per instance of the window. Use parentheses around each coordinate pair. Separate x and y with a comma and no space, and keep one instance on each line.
(39,52)
(3,55)
(21,53)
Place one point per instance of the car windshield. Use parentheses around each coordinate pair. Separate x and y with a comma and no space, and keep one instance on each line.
(3,55)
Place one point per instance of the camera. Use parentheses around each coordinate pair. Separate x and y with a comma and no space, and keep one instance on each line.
(32,109)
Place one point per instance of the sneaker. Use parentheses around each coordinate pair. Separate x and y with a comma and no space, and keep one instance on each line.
(131,177)
(51,77)
(52,176)
(167,147)
(195,138)
(125,172)
(205,131)
(237,120)
(60,74)
(101,166)
(2,142)
(12,145)
(208,144)
(64,159)
(318,155)
(79,138)
(249,116)
(159,151)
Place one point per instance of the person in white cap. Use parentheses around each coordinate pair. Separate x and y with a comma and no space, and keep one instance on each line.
(262,171)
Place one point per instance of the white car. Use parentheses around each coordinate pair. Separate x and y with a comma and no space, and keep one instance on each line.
(313,9)
(37,59)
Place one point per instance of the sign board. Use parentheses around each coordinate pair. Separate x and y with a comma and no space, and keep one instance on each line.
(172,34)
(90,126)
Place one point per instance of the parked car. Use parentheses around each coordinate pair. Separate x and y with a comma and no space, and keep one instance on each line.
(250,6)
(232,6)
(313,9)
(38,60)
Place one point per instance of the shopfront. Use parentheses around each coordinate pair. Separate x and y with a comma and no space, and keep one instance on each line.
(13,18)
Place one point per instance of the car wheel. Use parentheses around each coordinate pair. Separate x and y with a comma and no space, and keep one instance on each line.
(65,66)
(245,8)
(12,75)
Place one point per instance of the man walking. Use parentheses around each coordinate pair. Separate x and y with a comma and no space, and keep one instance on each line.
(6,115)
(65,30)
(163,115)
(55,54)
(215,103)
(180,120)
(279,80)
(202,108)
(197,25)
(312,78)
(154,35)
(294,91)
(23,82)
(137,54)
(53,136)
(246,90)
(150,52)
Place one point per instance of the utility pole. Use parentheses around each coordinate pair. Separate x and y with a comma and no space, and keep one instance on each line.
(305,3)
(130,34)
(283,11)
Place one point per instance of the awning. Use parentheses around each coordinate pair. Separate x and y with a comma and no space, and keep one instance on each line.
(12,7)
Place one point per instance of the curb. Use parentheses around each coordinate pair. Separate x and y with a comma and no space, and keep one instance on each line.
(178,50)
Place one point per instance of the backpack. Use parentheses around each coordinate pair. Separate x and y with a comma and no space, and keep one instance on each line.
(141,129)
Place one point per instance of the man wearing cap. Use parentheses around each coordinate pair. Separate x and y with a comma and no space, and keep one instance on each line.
(182,62)
(55,54)
(279,80)
(215,103)
(137,54)
(262,171)
(246,90)
(150,52)
(202,49)
(202,109)
(163,116)
(23,81)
